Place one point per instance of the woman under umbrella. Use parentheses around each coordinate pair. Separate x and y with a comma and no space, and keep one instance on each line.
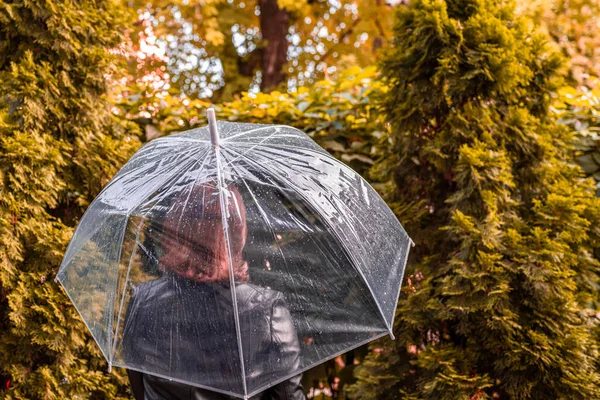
(185,320)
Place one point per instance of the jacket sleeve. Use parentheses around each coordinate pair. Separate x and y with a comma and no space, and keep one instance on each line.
(136,380)
(288,348)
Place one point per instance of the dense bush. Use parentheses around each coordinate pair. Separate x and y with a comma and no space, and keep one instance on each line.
(59,145)
(496,302)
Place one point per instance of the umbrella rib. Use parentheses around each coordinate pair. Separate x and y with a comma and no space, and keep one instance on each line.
(270,159)
(171,138)
(236,314)
(287,155)
(410,244)
(112,308)
(253,146)
(278,146)
(250,131)
(133,253)
(282,135)
(334,231)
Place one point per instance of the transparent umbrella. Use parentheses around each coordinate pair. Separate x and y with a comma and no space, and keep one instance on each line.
(233,257)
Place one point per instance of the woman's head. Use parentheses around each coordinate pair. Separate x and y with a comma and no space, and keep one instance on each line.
(194,240)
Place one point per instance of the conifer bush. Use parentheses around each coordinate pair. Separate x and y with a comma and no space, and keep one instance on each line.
(497,301)
(59,145)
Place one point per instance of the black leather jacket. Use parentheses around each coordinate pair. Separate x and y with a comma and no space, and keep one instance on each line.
(183,329)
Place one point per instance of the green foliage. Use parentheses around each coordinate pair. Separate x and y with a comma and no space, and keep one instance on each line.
(579,109)
(497,298)
(340,115)
(60,144)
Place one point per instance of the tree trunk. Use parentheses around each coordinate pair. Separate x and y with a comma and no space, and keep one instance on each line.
(274,24)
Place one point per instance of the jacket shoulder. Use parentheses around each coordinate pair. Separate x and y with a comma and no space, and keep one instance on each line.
(249,296)
(146,290)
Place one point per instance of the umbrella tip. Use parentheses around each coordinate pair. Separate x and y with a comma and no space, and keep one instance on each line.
(212,126)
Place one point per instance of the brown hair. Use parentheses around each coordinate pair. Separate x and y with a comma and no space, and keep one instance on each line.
(193,238)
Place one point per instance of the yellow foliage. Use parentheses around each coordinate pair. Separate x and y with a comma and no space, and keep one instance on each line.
(338,114)
(293,5)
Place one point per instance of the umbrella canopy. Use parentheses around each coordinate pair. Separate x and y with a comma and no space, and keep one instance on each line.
(234,261)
